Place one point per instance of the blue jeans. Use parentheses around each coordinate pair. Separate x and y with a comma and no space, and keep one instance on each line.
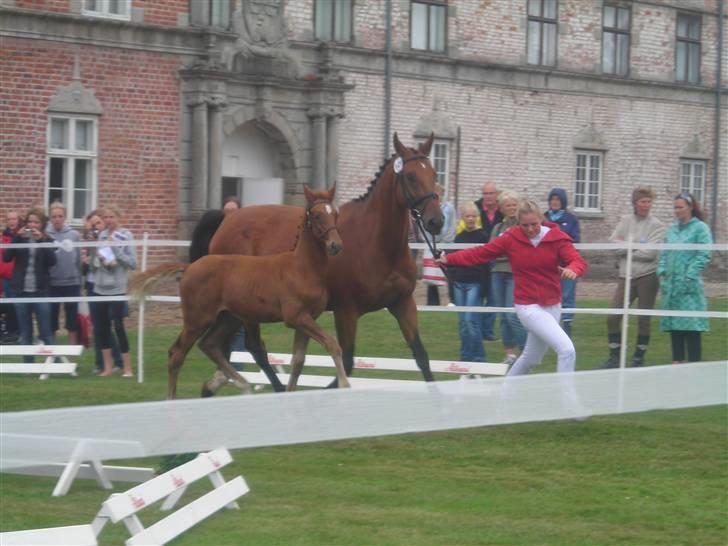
(25,312)
(568,298)
(501,290)
(471,339)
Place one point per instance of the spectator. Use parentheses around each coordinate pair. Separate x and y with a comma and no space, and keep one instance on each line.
(490,216)
(230,204)
(31,278)
(536,251)
(9,330)
(681,275)
(66,274)
(446,235)
(111,267)
(501,281)
(93,227)
(642,227)
(467,289)
(569,224)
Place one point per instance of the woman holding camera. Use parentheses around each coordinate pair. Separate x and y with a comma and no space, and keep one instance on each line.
(111,267)
(31,278)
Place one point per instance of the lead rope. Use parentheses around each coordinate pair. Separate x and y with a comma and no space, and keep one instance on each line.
(432,245)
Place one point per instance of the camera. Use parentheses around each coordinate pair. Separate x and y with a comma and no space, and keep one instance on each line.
(95,233)
(28,232)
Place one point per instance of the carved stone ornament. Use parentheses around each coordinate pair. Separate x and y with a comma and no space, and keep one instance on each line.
(695,150)
(75,98)
(590,139)
(262,47)
(438,121)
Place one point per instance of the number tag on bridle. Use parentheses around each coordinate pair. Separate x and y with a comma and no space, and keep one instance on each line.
(398,164)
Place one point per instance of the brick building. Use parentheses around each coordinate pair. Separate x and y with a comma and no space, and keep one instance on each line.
(166,106)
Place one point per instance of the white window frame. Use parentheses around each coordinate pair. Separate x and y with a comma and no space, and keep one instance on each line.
(102,10)
(327,20)
(429,32)
(622,38)
(441,163)
(693,173)
(588,191)
(688,71)
(537,19)
(70,155)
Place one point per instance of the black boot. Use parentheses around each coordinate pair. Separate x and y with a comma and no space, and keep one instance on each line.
(615,344)
(638,359)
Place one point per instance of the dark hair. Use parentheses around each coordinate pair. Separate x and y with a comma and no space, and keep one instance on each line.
(697,212)
(40,213)
(232,199)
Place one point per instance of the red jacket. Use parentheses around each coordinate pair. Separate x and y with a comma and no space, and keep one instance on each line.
(6,268)
(535,269)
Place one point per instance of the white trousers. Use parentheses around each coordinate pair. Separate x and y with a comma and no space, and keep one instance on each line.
(544,331)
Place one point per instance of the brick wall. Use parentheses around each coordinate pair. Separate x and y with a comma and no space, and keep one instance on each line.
(139,130)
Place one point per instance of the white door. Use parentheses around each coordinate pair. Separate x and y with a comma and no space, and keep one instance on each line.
(262,191)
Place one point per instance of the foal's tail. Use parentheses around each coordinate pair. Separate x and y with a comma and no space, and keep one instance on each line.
(143,282)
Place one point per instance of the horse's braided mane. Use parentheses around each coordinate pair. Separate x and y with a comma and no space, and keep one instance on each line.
(373,183)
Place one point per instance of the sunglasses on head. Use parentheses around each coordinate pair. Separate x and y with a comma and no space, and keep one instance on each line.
(686,197)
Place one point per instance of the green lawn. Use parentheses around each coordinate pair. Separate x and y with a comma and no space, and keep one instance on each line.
(656,478)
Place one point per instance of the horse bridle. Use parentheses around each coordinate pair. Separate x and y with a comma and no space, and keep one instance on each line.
(318,232)
(417,213)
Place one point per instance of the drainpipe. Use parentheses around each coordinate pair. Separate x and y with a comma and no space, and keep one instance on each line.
(388,79)
(457,172)
(716,136)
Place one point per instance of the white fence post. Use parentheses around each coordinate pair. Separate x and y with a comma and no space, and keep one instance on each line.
(627,295)
(140,329)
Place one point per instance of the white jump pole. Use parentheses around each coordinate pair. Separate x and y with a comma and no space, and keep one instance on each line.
(625,318)
(140,328)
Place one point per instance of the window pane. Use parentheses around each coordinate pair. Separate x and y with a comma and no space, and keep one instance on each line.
(608,53)
(681,61)
(437,28)
(534,8)
(682,26)
(549,44)
(342,32)
(694,28)
(610,18)
(323,19)
(219,10)
(534,42)
(91,5)
(623,19)
(82,173)
(59,134)
(419,26)
(81,203)
(693,62)
(84,135)
(56,172)
(549,9)
(622,54)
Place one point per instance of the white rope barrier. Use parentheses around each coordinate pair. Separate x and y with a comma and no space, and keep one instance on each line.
(180,426)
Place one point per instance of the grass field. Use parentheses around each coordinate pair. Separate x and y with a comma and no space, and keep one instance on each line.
(644,479)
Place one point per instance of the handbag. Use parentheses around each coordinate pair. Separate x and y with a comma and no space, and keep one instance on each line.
(84,330)
(431,272)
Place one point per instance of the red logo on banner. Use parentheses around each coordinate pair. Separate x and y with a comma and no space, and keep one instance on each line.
(178,482)
(457,368)
(43,351)
(276,360)
(215,463)
(137,502)
(359,363)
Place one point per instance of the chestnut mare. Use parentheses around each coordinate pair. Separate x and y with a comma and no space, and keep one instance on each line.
(375,269)
(219,293)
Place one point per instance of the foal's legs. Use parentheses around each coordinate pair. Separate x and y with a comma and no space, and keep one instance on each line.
(405,311)
(257,348)
(307,326)
(213,344)
(346,322)
(177,353)
(300,342)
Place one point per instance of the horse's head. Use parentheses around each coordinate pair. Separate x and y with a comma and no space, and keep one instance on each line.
(416,180)
(321,215)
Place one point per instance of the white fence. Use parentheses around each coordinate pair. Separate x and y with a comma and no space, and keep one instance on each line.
(146,243)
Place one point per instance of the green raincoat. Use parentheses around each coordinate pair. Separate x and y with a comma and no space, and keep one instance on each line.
(681,276)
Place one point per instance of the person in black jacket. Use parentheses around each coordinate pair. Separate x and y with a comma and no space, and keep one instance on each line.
(31,278)
(468,289)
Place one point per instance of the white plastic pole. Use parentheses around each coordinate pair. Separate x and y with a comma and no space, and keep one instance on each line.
(627,295)
(140,329)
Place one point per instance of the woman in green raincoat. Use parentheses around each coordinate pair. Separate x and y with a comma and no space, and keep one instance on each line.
(681,279)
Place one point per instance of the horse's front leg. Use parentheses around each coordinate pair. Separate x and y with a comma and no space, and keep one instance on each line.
(257,348)
(300,343)
(307,326)
(405,311)
(346,320)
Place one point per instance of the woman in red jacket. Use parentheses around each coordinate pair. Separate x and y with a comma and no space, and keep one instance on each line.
(540,255)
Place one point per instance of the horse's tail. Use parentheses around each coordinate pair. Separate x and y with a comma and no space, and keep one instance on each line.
(141,283)
(203,232)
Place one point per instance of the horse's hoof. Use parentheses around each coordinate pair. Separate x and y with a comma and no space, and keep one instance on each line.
(206,392)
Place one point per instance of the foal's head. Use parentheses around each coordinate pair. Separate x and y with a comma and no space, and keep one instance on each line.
(321,216)
(416,179)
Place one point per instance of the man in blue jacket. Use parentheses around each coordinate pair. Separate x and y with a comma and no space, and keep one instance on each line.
(569,224)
